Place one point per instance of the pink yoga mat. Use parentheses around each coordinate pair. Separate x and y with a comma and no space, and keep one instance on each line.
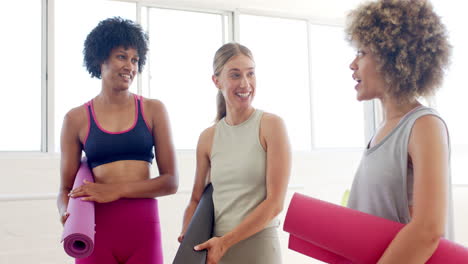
(316,252)
(338,234)
(78,232)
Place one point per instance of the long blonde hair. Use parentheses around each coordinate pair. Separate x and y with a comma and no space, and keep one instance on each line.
(222,56)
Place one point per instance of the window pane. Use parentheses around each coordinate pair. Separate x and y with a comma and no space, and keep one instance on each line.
(452,96)
(279,47)
(338,117)
(20,110)
(182,46)
(73,85)
(453,93)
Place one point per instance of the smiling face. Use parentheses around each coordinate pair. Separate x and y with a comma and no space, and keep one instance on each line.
(119,70)
(237,82)
(370,81)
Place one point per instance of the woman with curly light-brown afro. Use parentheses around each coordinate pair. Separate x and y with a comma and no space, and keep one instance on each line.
(409,41)
(404,175)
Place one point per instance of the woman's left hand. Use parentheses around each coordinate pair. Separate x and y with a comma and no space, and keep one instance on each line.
(96,192)
(216,249)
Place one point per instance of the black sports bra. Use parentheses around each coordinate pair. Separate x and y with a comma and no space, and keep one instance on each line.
(135,143)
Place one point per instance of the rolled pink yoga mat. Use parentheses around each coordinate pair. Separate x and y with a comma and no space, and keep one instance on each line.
(78,232)
(336,234)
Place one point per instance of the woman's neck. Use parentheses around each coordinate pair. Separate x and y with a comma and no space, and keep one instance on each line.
(114,97)
(393,108)
(237,116)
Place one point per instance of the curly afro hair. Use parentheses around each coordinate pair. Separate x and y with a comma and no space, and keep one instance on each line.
(111,33)
(409,42)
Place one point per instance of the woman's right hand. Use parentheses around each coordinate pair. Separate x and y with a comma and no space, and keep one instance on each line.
(189,211)
(201,177)
(181,237)
(63,217)
(182,233)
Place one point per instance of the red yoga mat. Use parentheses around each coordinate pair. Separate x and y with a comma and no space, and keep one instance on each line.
(78,232)
(336,234)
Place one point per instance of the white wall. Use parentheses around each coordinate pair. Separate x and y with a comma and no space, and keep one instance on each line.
(30,230)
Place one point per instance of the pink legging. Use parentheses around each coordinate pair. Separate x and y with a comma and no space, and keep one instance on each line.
(127,231)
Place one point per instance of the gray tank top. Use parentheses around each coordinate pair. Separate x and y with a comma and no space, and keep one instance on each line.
(383,184)
(238,172)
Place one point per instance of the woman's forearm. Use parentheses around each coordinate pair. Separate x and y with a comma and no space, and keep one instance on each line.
(413,244)
(254,222)
(188,214)
(162,185)
(62,201)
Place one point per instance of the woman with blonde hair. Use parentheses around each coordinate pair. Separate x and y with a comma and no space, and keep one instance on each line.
(246,157)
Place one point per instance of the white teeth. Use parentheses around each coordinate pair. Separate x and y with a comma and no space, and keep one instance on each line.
(243,94)
(126,76)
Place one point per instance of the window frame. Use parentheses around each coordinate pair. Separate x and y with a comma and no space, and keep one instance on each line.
(226,36)
(232,33)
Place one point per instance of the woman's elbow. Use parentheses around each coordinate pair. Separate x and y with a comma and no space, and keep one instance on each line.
(172,189)
(277,208)
(173,185)
(170,184)
(431,234)
(434,235)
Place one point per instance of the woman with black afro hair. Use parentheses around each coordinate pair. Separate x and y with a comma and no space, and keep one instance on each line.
(404,175)
(118,131)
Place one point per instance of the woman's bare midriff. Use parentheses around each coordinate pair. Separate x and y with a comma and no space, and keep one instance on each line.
(122,171)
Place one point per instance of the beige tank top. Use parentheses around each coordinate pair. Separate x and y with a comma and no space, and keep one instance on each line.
(238,172)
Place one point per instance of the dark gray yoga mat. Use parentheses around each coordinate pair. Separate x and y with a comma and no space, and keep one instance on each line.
(199,230)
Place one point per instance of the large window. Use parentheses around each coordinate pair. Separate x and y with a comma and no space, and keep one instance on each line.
(279,47)
(73,21)
(182,47)
(302,73)
(297,76)
(20,110)
(338,118)
(320,114)
(453,95)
